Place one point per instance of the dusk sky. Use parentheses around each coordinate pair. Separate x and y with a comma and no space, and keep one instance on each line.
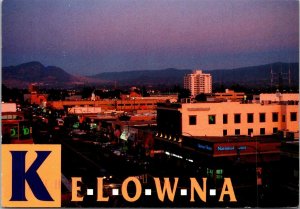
(92,36)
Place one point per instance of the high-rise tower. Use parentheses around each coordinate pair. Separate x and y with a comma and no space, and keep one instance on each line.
(198,82)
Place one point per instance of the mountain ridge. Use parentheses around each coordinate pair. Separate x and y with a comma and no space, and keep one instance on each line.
(252,75)
(34,72)
(260,75)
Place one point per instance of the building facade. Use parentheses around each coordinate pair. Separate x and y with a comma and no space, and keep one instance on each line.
(131,104)
(198,82)
(15,129)
(278,97)
(227,95)
(227,119)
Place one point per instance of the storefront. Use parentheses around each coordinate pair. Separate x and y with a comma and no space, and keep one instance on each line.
(15,130)
(248,161)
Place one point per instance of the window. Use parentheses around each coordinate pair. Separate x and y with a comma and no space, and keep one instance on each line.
(212,119)
(237,118)
(293,116)
(262,117)
(225,118)
(262,131)
(250,117)
(224,132)
(275,130)
(275,116)
(193,120)
(283,118)
(250,131)
(237,132)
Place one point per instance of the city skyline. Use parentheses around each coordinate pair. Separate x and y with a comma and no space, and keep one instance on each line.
(89,37)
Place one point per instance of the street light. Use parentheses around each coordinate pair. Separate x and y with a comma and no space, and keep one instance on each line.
(133,103)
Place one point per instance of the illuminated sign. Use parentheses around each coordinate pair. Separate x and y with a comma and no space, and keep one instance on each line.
(225,148)
(24,131)
(76,125)
(93,126)
(230,148)
(125,135)
(204,147)
(242,148)
(218,172)
(13,132)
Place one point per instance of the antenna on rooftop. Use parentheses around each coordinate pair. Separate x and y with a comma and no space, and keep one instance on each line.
(289,76)
(272,77)
(279,78)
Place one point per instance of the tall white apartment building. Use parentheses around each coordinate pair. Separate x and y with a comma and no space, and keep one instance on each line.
(198,82)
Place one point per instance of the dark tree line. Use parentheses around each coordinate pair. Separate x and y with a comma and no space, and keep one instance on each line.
(13,94)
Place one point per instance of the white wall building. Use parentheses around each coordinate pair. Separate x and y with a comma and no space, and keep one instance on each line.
(278,97)
(198,82)
(8,107)
(228,119)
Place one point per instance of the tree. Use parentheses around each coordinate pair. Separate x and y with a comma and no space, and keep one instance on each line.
(201,97)
(87,92)
(56,94)
(184,93)
(12,95)
(144,92)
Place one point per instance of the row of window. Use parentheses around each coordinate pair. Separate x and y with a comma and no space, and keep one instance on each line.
(250,118)
(141,104)
(230,95)
(262,131)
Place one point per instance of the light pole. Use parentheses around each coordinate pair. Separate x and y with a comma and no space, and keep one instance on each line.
(133,103)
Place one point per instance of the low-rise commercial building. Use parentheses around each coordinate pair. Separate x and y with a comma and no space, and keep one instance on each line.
(228,95)
(227,119)
(15,129)
(133,104)
(278,97)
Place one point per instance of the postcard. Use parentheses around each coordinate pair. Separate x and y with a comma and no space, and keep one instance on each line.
(147,104)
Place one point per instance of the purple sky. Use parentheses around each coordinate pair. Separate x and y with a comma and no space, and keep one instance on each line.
(93,36)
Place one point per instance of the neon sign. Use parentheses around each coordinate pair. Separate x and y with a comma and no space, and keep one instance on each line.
(76,125)
(14,131)
(230,148)
(205,147)
(25,131)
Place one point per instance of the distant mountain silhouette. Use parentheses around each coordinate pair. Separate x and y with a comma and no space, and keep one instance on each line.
(31,72)
(248,76)
(258,75)
(168,76)
(51,76)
